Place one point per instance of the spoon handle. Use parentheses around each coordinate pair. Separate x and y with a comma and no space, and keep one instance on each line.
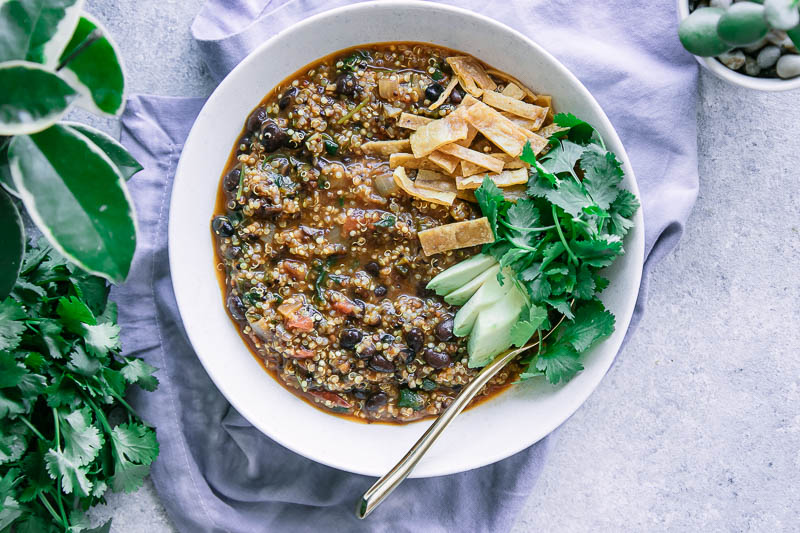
(392,479)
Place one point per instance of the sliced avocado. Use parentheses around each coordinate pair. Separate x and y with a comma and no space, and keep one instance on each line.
(463,293)
(489,293)
(492,331)
(460,274)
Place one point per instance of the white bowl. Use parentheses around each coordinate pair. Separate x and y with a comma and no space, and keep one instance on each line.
(731,76)
(488,433)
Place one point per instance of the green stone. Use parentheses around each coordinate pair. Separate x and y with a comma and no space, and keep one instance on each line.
(698,32)
(743,24)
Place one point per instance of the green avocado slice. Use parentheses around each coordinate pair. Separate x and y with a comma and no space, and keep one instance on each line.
(460,274)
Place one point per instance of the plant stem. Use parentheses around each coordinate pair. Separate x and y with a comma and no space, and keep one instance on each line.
(91,38)
(52,511)
(58,432)
(32,428)
(561,236)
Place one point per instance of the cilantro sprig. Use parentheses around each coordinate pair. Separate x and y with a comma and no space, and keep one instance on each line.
(67,433)
(557,241)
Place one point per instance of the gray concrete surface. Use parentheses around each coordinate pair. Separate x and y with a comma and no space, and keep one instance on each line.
(697,426)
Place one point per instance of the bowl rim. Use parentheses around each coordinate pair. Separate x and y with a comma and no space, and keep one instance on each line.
(623,322)
(736,78)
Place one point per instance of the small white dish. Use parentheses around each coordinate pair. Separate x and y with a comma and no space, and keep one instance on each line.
(736,78)
(490,432)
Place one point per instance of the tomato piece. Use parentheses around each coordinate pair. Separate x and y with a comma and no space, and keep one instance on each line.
(344,307)
(300,323)
(302,353)
(332,397)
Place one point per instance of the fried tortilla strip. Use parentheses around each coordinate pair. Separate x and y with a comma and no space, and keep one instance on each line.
(525,123)
(437,133)
(435,181)
(470,169)
(456,235)
(512,90)
(446,162)
(471,75)
(409,161)
(509,163)
(514,193)
(465,154)
(538,143)
(503,76)
(445,94)
(506,178)
(385,148)
(517,107)
(412,122)
(549,131)
(543,100)
(498,129)
(434,197)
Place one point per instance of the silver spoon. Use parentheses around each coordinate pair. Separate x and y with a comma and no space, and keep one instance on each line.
(392,479)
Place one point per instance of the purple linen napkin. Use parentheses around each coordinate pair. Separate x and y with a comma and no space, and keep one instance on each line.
(218,473)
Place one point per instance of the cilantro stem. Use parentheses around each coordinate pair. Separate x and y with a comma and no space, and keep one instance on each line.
(355,110)
(58,479)
(518,228)
(561,236)
(58,432)
(241,182)
(113,393)
(49,507)
(31,427)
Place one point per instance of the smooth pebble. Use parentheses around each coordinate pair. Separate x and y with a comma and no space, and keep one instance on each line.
(768,56)
(733,60)
(724,4)
(756,46)
(777,37)
(751,67)
(789,66)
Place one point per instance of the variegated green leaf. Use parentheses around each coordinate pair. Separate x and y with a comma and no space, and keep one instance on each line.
(127,165)
(31,97)
(12,244)
(37,30)
(83,209)
(92,64)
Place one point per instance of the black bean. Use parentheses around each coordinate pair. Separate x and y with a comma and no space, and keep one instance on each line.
(433,91)
(286,99)
(231,181)
(379,363)
(256,118)
(444,330)
(222,226)
(360,394)
(366,351)
(346,84)
(387,338)
(245,140)
(291,142)
(436,359)
(380,291)
(236,307)
(376,401)
(415,339)
(408,355)
(456,96)
(373,268)
(272,136)
(350,337)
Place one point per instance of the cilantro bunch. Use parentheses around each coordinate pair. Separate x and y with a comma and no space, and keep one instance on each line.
(558,239)
(67,434)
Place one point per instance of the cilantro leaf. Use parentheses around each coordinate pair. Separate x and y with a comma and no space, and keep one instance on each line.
(135,443)
(128,477)
(139,372)
(10,329)
(528,156)
(490,198)
(12,442)
(602,174)
(82,440)
(584,286)
(563,158)
(523,214)
(562,306)
(81,363)
(597,253)
(101,339)
(559,362)
(10,404)
(74,312)
(11,372)
(569,196)
(592,322)
(73,476)
(530,320)
(579,131)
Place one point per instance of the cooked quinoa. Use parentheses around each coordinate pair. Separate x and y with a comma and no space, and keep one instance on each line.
(323,268)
